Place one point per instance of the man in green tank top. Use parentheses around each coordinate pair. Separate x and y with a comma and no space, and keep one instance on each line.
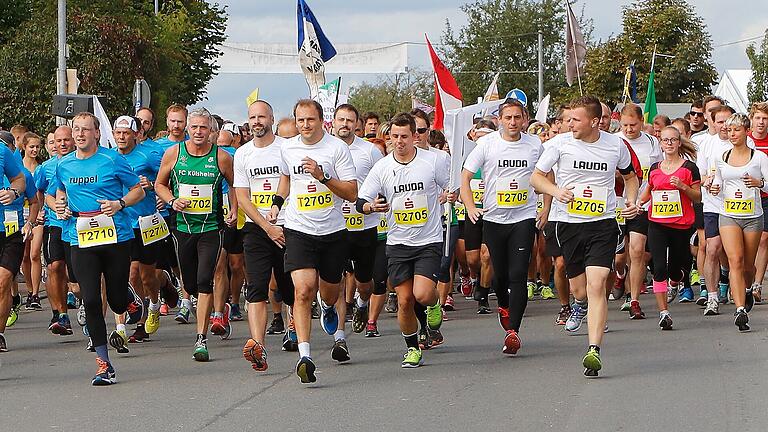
(189,181)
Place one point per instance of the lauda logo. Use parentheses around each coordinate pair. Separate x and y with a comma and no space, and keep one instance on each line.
(311,187)
(587,193)
(408,203)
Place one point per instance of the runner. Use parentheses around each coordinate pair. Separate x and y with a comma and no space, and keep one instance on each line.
(31,264)
(317,174)
(588,232)
(189,181)
(758,119)
(89,187)
(176,120)
(412,180)
(507,159)
(673,185)
(739,171)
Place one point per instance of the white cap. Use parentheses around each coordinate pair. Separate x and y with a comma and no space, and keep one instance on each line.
(232,128)
(126,122)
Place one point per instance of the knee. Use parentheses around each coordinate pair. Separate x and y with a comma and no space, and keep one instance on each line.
(405,300)
(736,262)
(303,295)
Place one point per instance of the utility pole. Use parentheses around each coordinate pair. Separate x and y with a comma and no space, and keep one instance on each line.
(541,66)
(61,72)
(157,7)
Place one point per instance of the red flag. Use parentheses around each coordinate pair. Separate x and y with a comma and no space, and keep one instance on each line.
(447,93)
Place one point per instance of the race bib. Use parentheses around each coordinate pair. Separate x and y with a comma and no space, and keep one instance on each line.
(645,165)
(666,204)
(511,192)
(353,219)
(200,198)
(11,222)
(410,211)
(739,200)
(478,190)
(25,211)
(540,204)
(312,196)
(383,227)
(620,205)
(461,211)
(153,228)
(225,209)
(262,191)
(95,231)
(588,201)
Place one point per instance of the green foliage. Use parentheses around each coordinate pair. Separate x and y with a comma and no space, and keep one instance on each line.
(111,44)
(758,85)
(392,95)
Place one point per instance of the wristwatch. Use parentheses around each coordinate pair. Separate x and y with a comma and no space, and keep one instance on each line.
(326,178)
(122,203)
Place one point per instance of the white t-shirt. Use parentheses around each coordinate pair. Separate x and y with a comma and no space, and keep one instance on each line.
(711,148)
(738,200)
(554,212)
(311,207)
(590,169)
(258,169)
(443,158)
(507,167)
(413,193)
(364,156)
(648,152)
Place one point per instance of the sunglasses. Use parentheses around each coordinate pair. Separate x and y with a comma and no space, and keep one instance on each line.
(422,130)
(696,114)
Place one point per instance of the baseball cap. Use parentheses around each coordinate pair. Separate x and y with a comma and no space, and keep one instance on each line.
(126,122)
(231,127)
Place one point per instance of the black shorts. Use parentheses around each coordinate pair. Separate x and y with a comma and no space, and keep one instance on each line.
(326,253)
(404,262)
(621,247)
(232,241)
(144,254)
(264,257)
(698,212)
(11,252)
(53,247)
(638,224)
(461,230)
(551,246)
(473,234)
(68,261)
(587,244)
(380,268)
(711,225)
(362,253)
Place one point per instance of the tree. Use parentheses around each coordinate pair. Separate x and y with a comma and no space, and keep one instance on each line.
(758,85)
(111,45)
(674,28)
(393,94)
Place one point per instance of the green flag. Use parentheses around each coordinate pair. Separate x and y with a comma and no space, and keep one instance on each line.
(650,110)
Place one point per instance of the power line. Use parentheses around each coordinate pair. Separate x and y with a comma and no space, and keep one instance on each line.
(739,41)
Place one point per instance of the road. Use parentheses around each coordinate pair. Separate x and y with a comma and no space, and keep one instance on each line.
(701,376)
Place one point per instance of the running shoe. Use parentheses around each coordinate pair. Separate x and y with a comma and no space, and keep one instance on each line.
(119,341)
(625,307)
(359,319)
(757,293)
(391,306)
(81,315)
(182,316)
(466,286)
(672,291)
(164,309)
(71,301)
(695,277)
(105,373)
(511,343)
(86,333)
(412,358)
(277,326)
(713,307)
(618,288)
(741,320)
(235,314)
(53,325)
(531,289)
(483,308)
(702,300)
(434,316)
(89,346)
(227,323)
(635,312)
(153,321)
(504,318)
(290,341)
(201,349)
(139,335)
(305,369)
(28,303)
(576,317)
(562,316)
(170,290)
(12,317)
(329,319)
(591,362)
(749,301)
(665,322)
(217,325)
(255,353)
(546,293)
(315,310)
(686,295)
(340,352)
(436,336)
(3,344)
(348,312)
(722,293)
(135,308)
(425,342)
(372,330)
(62,327)
(449,306)
(36,303)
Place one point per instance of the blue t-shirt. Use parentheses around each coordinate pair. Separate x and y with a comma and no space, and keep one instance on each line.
(158,152)
(144,162)
(43,177)
(102,176)
(19,158)
(165,143)
(28,194)
(11,168)
(224,185)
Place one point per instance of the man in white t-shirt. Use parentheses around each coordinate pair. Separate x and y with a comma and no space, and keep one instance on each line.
(317,175)
(587,231)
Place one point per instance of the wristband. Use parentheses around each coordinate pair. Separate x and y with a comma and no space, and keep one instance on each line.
(278,201)
(170,203)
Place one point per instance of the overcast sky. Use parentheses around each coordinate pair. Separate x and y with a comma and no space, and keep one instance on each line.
(344,21)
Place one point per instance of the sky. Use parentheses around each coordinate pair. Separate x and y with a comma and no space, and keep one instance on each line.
(345,21)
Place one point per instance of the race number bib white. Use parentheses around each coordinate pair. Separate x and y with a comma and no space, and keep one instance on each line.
(621,203)
(153,228)
(11,222)
(739,200)
(478,190)
(645,164)
(588,201)
(353,219)
(200,198)
(262,191)
(96,230)
(411,211)
(225,208)
(312,196)
(25,212)
(461,211)
(383,227)
(666,204)
(511,192)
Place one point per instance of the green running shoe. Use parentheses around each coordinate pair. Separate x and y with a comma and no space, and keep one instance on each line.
(627,305)
(12,317)
(547,294)
(412,358)
(435,316)
(531,290)
(695,277)
(201,350)
(592,363)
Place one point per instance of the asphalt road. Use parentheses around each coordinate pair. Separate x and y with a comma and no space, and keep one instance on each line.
(703,376)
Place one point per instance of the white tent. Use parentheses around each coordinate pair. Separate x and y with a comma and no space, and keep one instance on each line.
(733,88)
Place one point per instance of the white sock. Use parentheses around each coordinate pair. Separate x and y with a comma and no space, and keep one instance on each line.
(304,349)
(712,295)
(154,307)
(187,303)
(662,313)
(120,328)
(361,302)
(339,335)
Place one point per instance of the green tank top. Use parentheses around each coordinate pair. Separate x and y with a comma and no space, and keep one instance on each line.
(198,179)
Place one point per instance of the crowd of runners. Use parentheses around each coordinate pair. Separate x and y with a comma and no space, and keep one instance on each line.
(591,207)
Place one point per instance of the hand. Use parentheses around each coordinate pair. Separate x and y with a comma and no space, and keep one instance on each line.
(312,168)
(276,234)
(541,219)
(231,219)
(452,197)
(159,203)
(7,196)
(180,204)
(475,214)
(109,208)
(630,210)
(144,182)
(379,205)
(62,210)
(707,183)
(676,182)
(565,195)
(273,213)
(443,198)
(714,189)
(40,217)
(26,231)
(750,181)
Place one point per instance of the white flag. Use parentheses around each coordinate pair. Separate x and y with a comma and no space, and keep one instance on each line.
(543,108)
(575,48)
(105,126)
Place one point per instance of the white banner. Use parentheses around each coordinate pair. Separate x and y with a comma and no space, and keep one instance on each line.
(457,123)
(282,58)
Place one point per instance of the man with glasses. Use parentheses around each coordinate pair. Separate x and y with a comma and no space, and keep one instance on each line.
(696,117)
